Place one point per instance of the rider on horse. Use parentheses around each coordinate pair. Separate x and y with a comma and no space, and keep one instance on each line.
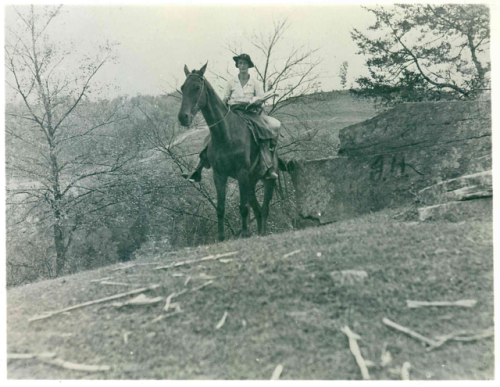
(241,92)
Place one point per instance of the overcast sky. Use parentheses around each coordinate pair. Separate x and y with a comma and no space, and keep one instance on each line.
(156,41)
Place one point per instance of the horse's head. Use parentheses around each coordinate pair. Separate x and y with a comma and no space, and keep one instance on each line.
(194,96)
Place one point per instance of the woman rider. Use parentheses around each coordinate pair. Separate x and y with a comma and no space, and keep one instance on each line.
(240,92)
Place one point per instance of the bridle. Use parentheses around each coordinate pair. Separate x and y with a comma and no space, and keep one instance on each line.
(199,97)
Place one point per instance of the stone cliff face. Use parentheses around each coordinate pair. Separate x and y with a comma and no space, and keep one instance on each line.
(383,162)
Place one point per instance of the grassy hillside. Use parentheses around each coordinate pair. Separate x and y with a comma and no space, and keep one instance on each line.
(282,308)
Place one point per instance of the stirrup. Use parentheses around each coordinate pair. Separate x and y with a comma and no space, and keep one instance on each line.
(271,175)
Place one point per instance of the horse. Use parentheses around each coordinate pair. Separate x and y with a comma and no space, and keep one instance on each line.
(232,151)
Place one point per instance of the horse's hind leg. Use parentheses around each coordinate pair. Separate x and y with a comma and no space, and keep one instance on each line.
(269,185)
(220,186)
(244,207)
(252,198)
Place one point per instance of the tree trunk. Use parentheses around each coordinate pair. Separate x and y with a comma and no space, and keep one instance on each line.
(60,249)
(58,229)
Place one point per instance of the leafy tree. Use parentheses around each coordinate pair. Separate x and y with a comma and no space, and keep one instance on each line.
(425,52)
(343,74)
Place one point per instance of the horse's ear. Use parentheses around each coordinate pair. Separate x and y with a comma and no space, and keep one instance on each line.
(186,70)
(202,70)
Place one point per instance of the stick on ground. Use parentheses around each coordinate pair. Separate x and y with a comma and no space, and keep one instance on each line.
(76,367)
(50,358)
(207,258)
(277,372)
(114,297)
(463,336)
(202,286)
(461,303)
(222,321)
(353,345)
(409,332)
(291,253)
(405,371)
(116,283)
(27,356)
(134,265)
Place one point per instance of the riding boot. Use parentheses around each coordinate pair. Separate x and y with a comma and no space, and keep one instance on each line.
(266,160)
(202,163)
(196,174)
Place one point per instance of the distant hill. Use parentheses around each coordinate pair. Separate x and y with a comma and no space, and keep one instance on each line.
(324,106)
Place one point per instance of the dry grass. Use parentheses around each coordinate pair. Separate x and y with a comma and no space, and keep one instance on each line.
(280,310)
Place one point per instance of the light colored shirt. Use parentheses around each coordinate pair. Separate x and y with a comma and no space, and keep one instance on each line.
(237,94)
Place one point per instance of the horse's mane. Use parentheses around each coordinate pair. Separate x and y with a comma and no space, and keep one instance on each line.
(211,91)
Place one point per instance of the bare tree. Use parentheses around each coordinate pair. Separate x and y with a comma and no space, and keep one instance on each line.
(292,75)
(59,149)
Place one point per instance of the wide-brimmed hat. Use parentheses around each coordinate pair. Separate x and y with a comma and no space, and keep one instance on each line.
(243,57)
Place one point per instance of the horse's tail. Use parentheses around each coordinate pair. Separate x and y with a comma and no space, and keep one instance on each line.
(282,165)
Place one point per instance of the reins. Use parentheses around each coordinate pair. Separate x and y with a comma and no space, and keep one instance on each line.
(199,96)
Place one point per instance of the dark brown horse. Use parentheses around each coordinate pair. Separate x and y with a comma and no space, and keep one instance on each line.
(232,151)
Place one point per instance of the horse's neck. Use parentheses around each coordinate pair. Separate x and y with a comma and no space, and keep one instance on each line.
(217,117)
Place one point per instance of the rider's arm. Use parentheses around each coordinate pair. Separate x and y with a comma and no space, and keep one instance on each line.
(258,92)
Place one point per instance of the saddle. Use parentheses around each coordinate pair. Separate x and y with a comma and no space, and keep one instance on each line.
(252,115)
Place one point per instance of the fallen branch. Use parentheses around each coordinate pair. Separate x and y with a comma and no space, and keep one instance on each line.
(277,372)
(114,297)
(461,303)
(116,283)
(50,358)
(409,332)
(405,371)
(463,336)
(222,321)
(353,345)
(101,279)
(74,366)
(27,356)
(125,336)
(207,258)
(385,356)
(202,286)
(169,299)
(292,253)
(134,265)
(140,300)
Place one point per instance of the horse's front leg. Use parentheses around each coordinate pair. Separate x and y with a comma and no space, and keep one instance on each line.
(269,185)
(252,199)
(220,186)
(243,183)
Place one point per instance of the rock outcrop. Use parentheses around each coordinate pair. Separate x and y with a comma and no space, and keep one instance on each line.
(385,161)
(466,197)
